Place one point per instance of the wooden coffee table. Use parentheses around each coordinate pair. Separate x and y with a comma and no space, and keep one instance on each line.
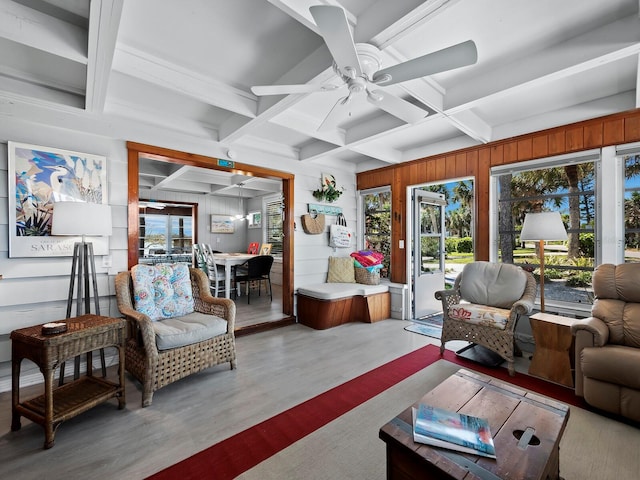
(526,429)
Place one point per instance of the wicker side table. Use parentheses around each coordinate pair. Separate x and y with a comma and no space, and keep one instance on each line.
(84,334)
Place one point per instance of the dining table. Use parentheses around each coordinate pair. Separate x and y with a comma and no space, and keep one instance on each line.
(229,260)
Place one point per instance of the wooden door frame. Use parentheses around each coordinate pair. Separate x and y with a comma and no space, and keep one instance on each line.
(136,150)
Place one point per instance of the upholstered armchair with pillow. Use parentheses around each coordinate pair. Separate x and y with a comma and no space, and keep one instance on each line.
(484,305)
(176,327)
(607,344)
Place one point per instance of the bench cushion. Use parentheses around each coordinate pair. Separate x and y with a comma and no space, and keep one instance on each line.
(188,329)
(333,291)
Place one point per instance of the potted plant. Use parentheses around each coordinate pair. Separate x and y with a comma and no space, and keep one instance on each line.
(328,191)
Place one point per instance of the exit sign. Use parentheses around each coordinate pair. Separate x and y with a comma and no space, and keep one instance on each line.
(226,163)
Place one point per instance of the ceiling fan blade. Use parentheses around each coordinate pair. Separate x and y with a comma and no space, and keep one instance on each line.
(338,112)
(334,28)
(456,56)
(261,90)
(396,106)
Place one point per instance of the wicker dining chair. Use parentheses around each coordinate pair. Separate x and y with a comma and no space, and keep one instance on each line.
(155,367)
(484,306)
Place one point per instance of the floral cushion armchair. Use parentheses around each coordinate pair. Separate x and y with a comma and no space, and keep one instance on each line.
(484,305)
(176,327)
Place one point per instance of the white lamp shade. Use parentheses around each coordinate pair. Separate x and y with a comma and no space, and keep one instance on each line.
(81,218)
(543,226)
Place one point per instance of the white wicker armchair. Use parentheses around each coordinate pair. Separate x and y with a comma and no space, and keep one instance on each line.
(484,306)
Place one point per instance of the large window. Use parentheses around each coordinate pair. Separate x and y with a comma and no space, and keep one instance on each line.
(166,232)
(273,226)
(376,207)
(563,184)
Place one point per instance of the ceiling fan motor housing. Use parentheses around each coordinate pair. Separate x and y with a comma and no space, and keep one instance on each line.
(369,57)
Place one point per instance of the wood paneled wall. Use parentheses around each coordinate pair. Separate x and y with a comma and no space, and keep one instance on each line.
(477,161)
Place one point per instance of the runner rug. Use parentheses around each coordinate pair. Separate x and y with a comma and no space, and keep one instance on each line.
(237,454)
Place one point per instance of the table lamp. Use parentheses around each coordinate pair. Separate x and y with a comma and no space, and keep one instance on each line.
(82,219)
(540,227)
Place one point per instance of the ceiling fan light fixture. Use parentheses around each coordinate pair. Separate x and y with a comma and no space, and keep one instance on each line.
(240,215)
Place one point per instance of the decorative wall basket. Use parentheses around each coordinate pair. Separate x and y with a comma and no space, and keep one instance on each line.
(313,225)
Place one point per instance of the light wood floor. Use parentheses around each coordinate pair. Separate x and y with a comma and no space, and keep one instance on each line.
(276,370)
(260,310)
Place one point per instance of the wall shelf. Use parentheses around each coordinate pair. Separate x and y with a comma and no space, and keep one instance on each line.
(324,209)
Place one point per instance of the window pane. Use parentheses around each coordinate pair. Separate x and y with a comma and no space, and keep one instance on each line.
(568,189)
(632,208)
(274,226)
(166,234)
(377,226)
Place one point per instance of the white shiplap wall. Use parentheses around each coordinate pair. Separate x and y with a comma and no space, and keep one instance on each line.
(34,290)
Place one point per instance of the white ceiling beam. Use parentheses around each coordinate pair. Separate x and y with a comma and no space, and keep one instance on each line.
(104,22)
(315,68)
(159,118)
(299,10)
(607,44)
(316,149)
(24,25)
(436,148)
(566,115)
(386,22)
(386,154)
(471,124)
(18,114)
(38,87)
(308,125)
(157,71)
(184,169)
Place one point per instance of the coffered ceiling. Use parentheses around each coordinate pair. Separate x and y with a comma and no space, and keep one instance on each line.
(184,69)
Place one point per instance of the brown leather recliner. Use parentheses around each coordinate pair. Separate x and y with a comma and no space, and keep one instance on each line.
(607,344)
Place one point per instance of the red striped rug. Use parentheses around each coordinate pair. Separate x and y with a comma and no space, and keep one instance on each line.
(237,454)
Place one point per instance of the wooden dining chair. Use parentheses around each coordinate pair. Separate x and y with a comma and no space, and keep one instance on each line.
(265,249)
(204,260)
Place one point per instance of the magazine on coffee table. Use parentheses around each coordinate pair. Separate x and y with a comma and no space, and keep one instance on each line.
(452,430)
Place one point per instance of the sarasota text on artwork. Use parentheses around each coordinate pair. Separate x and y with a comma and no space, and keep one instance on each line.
(53,246)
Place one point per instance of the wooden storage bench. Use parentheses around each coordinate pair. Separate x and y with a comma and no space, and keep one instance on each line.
(328,305)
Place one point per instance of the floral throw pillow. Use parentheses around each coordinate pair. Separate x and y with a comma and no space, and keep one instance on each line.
(162,291)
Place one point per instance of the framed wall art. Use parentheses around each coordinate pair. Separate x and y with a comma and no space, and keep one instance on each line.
(222,224)
(40,176)
(255,220)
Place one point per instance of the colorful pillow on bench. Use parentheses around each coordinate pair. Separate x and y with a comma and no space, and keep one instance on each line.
(162,291)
